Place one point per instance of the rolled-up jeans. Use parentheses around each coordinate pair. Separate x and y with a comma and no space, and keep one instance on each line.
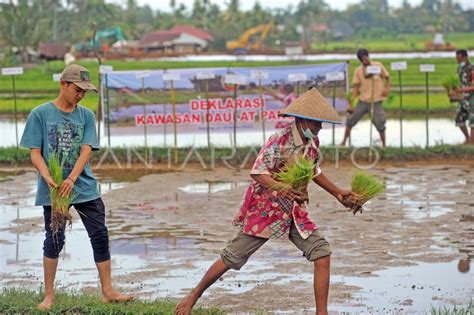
(92,214)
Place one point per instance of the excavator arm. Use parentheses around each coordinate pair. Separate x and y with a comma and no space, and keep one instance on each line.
(244,43)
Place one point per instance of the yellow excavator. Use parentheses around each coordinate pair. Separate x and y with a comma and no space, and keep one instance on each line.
(249,41)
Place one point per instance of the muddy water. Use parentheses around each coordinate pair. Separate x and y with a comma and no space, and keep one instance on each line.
(441,131)
(166,229)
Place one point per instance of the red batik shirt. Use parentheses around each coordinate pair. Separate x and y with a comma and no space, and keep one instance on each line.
(264,212)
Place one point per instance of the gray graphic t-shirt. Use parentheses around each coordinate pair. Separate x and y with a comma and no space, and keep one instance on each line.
(54,131)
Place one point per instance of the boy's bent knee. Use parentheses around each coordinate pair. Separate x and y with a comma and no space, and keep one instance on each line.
(53,244)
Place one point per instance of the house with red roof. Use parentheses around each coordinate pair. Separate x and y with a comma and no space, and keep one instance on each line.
(190,29)
(181,39)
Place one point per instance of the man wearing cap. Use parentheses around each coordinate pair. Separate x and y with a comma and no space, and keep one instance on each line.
(371,90)
(268,213)
(65,128)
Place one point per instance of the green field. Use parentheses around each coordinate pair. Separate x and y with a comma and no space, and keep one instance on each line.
(412,103)
(36,86)
(39,78)
(10,156)
(392,43)
(24,106)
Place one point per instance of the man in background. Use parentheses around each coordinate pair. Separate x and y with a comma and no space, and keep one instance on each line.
(370,88)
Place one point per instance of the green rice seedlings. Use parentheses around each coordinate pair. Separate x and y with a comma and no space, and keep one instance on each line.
(348,97)
(297,175)
(60,216)
(350,101)
(365,187)
(390,98)
(450,83)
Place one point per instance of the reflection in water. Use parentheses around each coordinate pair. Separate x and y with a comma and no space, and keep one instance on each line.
(22,250)
(464,265)
(143,246)
(411,287)
(441,130)
(467,217)
(105,187)
(211,187)
(178,281)
(153,248)
(421,197)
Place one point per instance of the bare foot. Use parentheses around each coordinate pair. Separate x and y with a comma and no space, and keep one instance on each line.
(47,303)
(185,306)
(115,297)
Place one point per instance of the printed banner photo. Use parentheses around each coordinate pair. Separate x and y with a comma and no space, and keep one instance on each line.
(213,97)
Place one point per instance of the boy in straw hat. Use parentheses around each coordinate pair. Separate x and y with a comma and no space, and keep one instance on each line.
(266,213)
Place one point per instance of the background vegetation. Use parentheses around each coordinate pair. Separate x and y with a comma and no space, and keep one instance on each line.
(371,23)
(36,86)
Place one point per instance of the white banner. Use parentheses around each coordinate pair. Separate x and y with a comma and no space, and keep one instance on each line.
(171,77)
(291,51)
(295,77)
(427,68)
(205,75)
(105,68)
(335,76)
(142,74)
(235,79)
(12,71)
(259,74)
(398,66)
(126,110)
(374,70)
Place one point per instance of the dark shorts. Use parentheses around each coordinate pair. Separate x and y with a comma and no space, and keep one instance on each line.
(239,249)
(92,214)
(363,108)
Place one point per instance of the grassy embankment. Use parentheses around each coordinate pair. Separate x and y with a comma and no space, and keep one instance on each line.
(35,86)
(453,310)
(24,302)
(161,155)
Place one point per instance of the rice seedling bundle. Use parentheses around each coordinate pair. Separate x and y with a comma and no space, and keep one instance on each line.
(298,175)
(390,98)
(366,187)
(348,97)
(450,83)
(60,216)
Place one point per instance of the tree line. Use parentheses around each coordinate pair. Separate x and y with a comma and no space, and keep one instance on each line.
(26,23)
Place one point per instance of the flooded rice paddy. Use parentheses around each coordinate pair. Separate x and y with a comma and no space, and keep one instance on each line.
(410,250)
(441,131)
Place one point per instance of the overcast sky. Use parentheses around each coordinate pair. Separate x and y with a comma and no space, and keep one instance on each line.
(163,5)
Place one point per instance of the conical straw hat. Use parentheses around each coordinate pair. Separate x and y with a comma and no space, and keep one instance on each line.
(312,105)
